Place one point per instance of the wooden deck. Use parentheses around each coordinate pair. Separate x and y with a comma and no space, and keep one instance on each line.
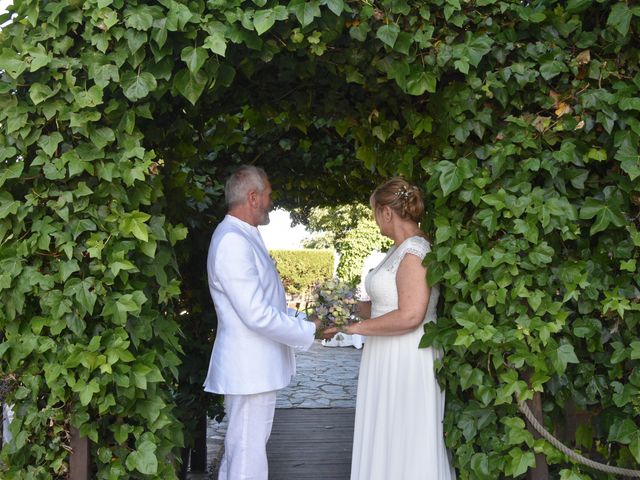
(311,444)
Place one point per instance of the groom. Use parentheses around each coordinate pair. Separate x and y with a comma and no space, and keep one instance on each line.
(253,352)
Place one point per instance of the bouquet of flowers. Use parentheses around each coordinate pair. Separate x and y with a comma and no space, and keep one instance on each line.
(334,302)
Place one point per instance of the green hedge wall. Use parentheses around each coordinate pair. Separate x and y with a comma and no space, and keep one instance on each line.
(301,269)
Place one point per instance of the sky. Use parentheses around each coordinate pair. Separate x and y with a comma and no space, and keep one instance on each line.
(279,234)
(3,5)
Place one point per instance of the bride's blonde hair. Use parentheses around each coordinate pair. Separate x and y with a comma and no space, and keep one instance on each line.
(404,198)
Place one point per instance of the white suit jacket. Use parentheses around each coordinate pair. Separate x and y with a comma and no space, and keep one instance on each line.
(254,346)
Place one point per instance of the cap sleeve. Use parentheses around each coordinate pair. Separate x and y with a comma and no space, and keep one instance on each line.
(417,246)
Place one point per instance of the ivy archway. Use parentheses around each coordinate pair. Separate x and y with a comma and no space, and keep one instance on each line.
(121,118)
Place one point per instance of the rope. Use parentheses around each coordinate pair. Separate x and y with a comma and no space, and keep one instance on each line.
(524,408)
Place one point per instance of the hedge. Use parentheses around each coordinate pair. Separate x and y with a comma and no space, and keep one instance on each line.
(301,269)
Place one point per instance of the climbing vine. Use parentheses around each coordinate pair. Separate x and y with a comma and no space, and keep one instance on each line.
(120,120)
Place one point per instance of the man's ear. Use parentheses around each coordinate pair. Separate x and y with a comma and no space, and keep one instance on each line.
(253,198)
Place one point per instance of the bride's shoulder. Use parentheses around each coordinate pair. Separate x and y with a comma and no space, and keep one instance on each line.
(419,242)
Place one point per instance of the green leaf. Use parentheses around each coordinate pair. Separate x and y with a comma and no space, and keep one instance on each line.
(263,20)
(452,175)
(388,34)
(336,6)
(629,159)
(86,394)
(620,18)
(143,459)
(139,19)
(634,446)
(194,58)
(521,461)
(177,233)
(14,170)
(190,86)
(12,63)
(548,70)
(217,43)
(473,49)
(420,83)
(480,466)
(577,6)
(8,207)
(136,87)
(49,143)
(134,224)
(305,12)
(623,431)
(564,355)
(39,92)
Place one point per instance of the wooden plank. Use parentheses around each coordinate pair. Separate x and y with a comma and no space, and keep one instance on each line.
(79,458)
(311,444)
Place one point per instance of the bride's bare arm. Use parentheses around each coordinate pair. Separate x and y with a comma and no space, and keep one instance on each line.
(413,298)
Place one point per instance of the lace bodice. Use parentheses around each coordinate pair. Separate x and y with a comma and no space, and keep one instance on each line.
(380,283)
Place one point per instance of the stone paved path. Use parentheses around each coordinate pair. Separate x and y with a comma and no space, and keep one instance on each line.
(326,378)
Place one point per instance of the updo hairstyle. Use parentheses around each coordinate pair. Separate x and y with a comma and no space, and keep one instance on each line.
(403,198)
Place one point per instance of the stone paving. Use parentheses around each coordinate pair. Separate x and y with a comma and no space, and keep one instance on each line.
(326,378)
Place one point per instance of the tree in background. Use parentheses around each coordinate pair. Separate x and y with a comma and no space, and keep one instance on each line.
(351,231)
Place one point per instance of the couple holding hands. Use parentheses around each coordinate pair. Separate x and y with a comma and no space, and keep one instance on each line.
(399,409)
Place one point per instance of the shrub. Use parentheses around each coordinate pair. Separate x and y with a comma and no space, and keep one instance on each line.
(301,269)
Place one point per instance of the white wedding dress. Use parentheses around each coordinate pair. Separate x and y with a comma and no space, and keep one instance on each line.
(400,406)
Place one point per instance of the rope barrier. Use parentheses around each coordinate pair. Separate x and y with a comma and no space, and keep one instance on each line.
(524,408)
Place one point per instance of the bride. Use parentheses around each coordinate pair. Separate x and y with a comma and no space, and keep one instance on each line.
(400,406)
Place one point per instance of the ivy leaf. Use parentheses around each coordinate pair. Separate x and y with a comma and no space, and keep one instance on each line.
(217,43)
(634,446)
(39,58)
(604,213)
(194,58)
(480,466)
(177,233)
(263,20)
(336,6)
(8,207)
(473,49)
(136,87)
(420,83)
(620,18)
(629,159)
(143,459)
(305,12)
(14,170)
(102,137)
(139,19)
(548,70)
(39,92)
(564,355)
(83,291)
(12,63)
(452,175)
(388,34)
(190,86)
(134,224)
(521,461)
(577,6)
(622,431)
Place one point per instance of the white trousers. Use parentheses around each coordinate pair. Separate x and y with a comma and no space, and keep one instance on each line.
(7,418)
(250,418)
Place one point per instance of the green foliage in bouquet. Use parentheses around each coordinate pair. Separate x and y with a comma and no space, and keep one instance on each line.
(334,302)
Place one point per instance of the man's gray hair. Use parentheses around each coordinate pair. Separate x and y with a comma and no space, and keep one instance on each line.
(242,181)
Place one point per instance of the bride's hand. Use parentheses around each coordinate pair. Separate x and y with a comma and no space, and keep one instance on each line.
(328,333)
